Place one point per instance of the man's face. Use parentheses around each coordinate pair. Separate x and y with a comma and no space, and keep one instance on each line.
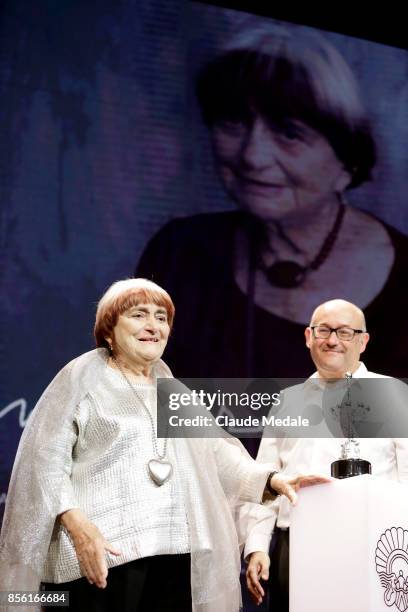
(333,357)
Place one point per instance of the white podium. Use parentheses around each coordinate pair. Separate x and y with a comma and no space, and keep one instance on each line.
(349,547)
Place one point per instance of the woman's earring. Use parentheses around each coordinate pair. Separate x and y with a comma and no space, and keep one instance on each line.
(342,198)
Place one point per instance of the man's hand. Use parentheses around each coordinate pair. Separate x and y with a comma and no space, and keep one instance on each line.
(289,486)
(90,546)
(258,568)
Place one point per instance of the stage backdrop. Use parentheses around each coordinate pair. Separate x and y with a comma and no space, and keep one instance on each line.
(102,143)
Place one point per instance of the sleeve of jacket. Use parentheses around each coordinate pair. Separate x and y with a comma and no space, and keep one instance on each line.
(68,499)
(241,477)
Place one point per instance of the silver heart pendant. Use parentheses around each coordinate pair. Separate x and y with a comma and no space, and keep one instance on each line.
(159,471)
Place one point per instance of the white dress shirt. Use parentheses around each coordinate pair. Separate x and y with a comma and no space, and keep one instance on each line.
(292,456)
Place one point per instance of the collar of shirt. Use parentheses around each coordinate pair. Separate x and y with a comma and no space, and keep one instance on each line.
(315,381)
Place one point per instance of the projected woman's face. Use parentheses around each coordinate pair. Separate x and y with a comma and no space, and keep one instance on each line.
(277,171)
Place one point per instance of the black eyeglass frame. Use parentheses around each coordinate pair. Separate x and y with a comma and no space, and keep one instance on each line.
(335,330)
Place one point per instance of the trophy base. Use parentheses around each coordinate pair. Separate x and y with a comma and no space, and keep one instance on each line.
(346,468)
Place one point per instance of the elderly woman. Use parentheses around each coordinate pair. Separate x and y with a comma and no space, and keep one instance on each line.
(290,138)
(102,508)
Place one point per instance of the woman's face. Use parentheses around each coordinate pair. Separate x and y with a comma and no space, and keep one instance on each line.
(277,171)
(141,333)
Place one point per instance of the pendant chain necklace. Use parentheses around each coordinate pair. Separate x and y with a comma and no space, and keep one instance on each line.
(159,468)
(288,274)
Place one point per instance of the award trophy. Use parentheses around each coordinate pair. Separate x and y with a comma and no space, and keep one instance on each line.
(350,463)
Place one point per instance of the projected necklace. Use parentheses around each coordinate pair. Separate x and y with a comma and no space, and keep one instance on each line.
(160,470)
(289,274)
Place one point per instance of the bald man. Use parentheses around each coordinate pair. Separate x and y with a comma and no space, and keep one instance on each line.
(336,337)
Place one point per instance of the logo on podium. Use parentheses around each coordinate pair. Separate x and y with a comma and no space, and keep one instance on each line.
(391,559)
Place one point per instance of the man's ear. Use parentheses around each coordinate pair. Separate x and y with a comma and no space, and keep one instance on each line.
(364,341)
(308,334)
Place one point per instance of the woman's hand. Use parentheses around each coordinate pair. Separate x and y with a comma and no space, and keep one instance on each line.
(258,568)
(90,546)
(288,486)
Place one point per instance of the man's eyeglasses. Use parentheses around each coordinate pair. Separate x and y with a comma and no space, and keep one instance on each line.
(343,333)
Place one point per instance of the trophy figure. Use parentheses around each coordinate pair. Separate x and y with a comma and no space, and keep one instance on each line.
(350,463)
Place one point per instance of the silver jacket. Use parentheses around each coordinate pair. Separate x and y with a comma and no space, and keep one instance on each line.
(215,475)
(107,478)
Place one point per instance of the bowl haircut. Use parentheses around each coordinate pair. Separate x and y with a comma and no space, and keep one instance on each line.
(121,296)
(284,76)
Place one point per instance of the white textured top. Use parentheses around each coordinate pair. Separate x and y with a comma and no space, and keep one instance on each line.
(108,479)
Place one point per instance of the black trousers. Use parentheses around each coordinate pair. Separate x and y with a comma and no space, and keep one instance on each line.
(278,597)
(152,584)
